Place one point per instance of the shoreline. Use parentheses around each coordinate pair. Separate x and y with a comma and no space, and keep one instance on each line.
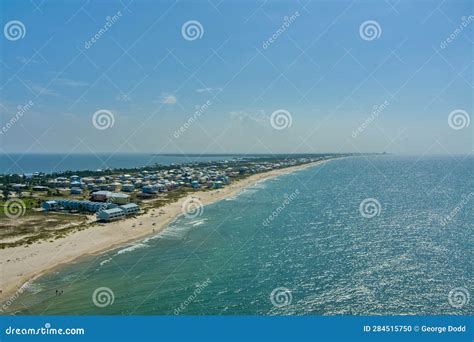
(23,264)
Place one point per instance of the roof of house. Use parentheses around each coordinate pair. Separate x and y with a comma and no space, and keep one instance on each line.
(129,205)
(101,192)
(110,194)
(111,211)
(119,195)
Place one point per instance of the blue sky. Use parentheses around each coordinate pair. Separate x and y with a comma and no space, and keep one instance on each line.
(318,69)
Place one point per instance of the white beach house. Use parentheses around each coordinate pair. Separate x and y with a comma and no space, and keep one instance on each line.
(110,214)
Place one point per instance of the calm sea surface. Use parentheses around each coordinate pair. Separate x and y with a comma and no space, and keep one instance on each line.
(49,163)
(318,254)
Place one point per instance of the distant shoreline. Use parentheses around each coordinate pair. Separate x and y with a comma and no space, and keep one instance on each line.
(29,263)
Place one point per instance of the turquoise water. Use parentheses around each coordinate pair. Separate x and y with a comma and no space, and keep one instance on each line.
(328,257)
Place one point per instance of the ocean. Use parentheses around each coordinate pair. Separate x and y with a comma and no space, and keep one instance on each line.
(51,162)
(380,235)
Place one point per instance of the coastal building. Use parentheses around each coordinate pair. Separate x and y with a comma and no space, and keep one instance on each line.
(92,187)
(243,170)
(61,182)
(99,196)
(119,198)
(40,188)
(88,180)
(103,187)
(223,179)
(76,191)
(130,208)
(128,187)
(113,186)
(75,184)
(50,205)
(150,189)
(118,212)
(115,197)
(125,177)
(110,214)
(76,205)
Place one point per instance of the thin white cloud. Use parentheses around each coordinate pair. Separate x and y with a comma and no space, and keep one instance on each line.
(169,99)
(70,83)
(208,90)
(38,89)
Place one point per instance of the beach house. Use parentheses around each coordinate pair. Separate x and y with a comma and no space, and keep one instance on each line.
(50,205)
(76,205)
(150,189)
(40,188)
(130,208)
(76,191)
(115,197)
(128,187)
(110,214)
(118,212)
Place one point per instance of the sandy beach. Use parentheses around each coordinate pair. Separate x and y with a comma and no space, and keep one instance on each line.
(22,264)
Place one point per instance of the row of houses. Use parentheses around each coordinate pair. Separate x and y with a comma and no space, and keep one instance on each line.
(146,183)
(104,211)
(76,205)
(118,212)
(149,183)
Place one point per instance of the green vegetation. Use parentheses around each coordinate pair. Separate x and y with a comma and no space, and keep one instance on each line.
(36,226)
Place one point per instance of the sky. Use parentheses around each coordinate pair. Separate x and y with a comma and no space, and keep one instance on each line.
(236,76)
